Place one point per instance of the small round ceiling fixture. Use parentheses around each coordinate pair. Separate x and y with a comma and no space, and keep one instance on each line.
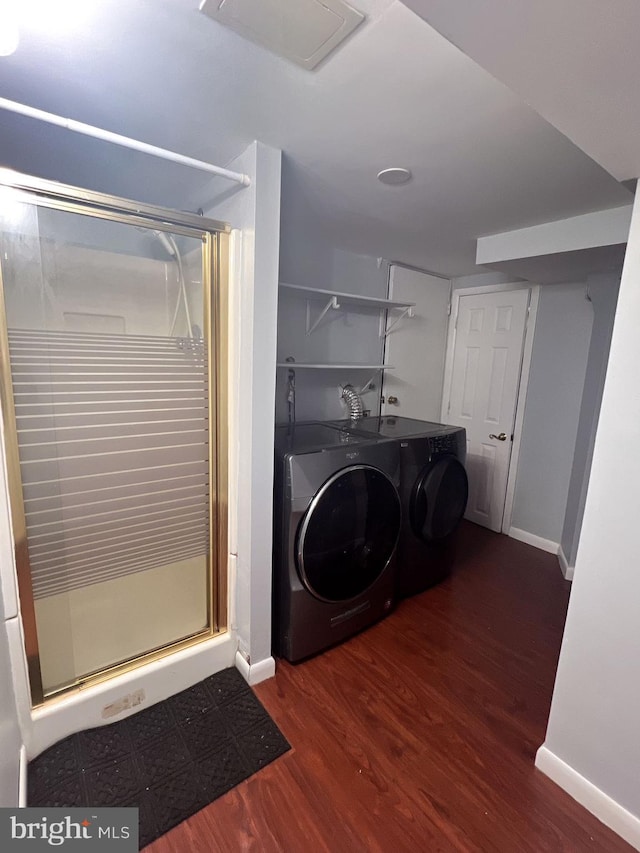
(394,176)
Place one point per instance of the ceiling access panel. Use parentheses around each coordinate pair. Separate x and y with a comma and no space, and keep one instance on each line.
(303,31)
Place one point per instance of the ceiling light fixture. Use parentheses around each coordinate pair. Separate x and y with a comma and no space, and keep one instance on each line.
(9,34)
(52,19)
(395,176)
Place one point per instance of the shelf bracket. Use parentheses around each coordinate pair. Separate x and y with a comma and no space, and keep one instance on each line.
(312,326)
(406,312)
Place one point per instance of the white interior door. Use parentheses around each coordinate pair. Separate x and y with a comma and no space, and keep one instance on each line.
(486,362)
(416,347)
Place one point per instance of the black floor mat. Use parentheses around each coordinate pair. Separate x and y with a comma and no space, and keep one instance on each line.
(170,760)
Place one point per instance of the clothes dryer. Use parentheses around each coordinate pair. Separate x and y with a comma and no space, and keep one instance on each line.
(337,520)
(433,492)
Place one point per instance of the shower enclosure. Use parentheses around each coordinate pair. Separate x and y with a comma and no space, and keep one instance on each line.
(112,338)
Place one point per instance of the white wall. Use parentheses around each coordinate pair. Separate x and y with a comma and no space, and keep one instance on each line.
(552,410)
(603,292)
(306,256)
(592,746)
(601,228)
(483,279)
(10,739)
(416,346)
(344,336)
(255,213)
(361,274)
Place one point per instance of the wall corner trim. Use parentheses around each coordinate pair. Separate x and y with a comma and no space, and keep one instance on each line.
(537,541)
(565,568)
(254,673)
(22,779)
(611,813)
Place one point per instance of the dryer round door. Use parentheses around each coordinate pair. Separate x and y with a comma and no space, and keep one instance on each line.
(439,499)
(348,534)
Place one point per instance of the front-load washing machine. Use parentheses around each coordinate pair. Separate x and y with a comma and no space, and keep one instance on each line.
(433,491)
(337,520)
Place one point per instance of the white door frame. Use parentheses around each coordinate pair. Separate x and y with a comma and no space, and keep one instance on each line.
(534,295)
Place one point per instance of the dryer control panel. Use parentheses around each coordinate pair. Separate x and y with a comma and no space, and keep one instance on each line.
(447,443)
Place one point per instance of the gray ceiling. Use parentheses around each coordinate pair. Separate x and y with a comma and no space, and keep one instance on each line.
(396,93)
(576,62)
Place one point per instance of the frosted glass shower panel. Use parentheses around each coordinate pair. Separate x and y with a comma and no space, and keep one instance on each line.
(108,353)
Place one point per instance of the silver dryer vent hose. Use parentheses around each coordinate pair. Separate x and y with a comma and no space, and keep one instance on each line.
(353,401)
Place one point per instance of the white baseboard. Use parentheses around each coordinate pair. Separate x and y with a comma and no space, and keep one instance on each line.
(532,539)
(22,779)
(254,673)
(566,569)
(611,813)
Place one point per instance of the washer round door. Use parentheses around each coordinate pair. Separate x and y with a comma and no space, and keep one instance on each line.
(439,499)
(348,534)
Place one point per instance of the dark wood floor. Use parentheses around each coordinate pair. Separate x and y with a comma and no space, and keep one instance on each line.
(419,734)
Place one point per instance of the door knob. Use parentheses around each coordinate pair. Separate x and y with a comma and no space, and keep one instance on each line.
(392,400)
(501,437)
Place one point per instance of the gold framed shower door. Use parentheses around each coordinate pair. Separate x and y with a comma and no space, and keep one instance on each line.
(215,249)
